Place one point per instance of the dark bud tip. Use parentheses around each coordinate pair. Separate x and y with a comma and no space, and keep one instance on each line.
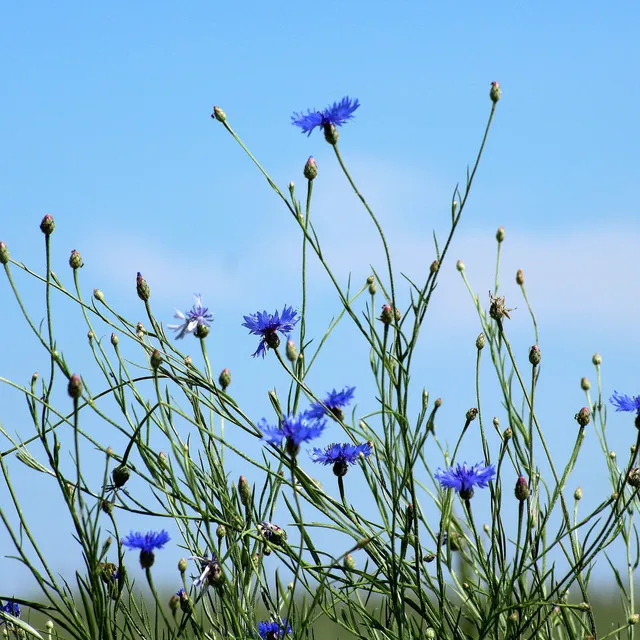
(47,225)
(120,475)
(75,386)
(144,292)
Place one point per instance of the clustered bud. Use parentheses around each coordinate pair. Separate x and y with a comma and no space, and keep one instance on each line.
(535,355)
(583,417)
(310,169)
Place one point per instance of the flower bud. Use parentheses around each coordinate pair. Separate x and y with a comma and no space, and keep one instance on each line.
(140,330)
(185,603)
(495,92)
(349,563)
(435,266)
(90,336)
(507,434)
(182,565)
(583,417)
(500,234)
(75,260)
(47,225)
(373,288)
(98,295)
(144,292)
(519,277)
(75,386)
(387,314)
(225,379)
(585,385)
(245,491)
(219,115)
(522,491)
(597,359)
(425,399)
(430,634)
(633,619)
(612,455)
(471,414)
(454,208)
(156,359)
(480,342)
(221,531)
(4,253)
(291,351)
(535,355)
(633,478)
(310,169)
(438,403)
(114,339)
(174,602)
(577,494)
(460,266)
(120,475)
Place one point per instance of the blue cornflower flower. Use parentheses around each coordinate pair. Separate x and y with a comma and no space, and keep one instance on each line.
(147,543)
(334,401)
(296,429)
(336,114)
(341,455)
(463,478)
(197,316)
(267,325)
(274,630)
(623,402)
(212,573)
(12,608)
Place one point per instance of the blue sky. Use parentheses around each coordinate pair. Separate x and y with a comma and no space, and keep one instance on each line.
(105,124)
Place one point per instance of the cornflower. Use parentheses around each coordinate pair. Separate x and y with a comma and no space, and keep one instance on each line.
(197,316)
(268,325)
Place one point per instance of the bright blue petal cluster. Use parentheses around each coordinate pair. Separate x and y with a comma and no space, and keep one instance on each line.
(270,630)
(296,429)
(334,400)
(192,319)
(341,453)
(146,542)
(12,608)
(463,478)
(336,114)
(267,325)
(625,403)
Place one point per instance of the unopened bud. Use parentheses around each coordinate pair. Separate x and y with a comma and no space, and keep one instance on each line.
(114,339)
(495,92)
(430,634)
(597,359)
(454,208)
(224,380)
(585,384)
(144,292)
(4,253)
(577,494)
(373,289)
(221,531)
(156,359)
(519,277)
(47,225)
(219,115)
(633,619)
(522,491)
(508,434)
(245,491)
(75,260)
(435,266)
(75,386)
(480,342)
(535,355)
(438,403)
(291,351)
(349,563)
(633,478)
(583,417)
(471,414)
(496,422)
(98,295)
(500,234)
(310,169)
(460,266)
(388,314)
(120,475)
(612,455)
(425,399)
(182,565)
(174,603)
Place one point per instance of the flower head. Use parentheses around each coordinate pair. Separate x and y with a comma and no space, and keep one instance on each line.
(197,316)
(212,574)
(336,114)
(463,478)
(296,429)
(267,326)
(334,401)
(12,608)
(273,630)
(623,402)
(341,455)
(147,543)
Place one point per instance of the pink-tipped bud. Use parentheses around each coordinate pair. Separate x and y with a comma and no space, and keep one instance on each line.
(522,491)
(47,225)
(75,260)
(495,93)
(75,386)
(583,417)
(225,379)
(310,169)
